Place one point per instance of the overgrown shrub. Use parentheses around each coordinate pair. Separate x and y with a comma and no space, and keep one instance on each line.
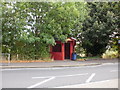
(110,54)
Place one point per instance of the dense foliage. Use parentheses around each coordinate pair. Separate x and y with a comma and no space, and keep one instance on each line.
(100,27)
(29,28)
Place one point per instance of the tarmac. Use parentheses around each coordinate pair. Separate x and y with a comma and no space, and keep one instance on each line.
(69,63)
(59,63)
(100,84)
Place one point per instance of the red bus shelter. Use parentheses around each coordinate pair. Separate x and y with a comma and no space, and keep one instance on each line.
(63,51)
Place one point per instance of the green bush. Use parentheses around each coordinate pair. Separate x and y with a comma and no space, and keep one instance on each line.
(110,53)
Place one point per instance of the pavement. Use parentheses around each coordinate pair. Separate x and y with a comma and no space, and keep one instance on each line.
(59,63)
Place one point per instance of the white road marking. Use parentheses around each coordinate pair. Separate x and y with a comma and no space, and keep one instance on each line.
(90,78)
(109,63)
(61,76)
(35,85)
(10,69)
(31,69)
(94,66)
(114,70)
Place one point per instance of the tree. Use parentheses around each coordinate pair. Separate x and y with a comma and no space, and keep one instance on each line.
(97,28)
(29,28)
(13,23)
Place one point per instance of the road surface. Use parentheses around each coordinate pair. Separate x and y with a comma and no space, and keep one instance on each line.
(57,76)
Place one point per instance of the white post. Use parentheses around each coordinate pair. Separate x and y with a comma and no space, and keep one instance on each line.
(8,58)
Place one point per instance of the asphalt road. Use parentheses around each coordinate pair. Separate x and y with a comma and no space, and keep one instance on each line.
(58,76)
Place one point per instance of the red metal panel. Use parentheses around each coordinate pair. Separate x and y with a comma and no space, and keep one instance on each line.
(63,51)
(71,49)
(57,56)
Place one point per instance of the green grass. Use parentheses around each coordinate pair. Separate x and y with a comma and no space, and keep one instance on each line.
(94,57)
